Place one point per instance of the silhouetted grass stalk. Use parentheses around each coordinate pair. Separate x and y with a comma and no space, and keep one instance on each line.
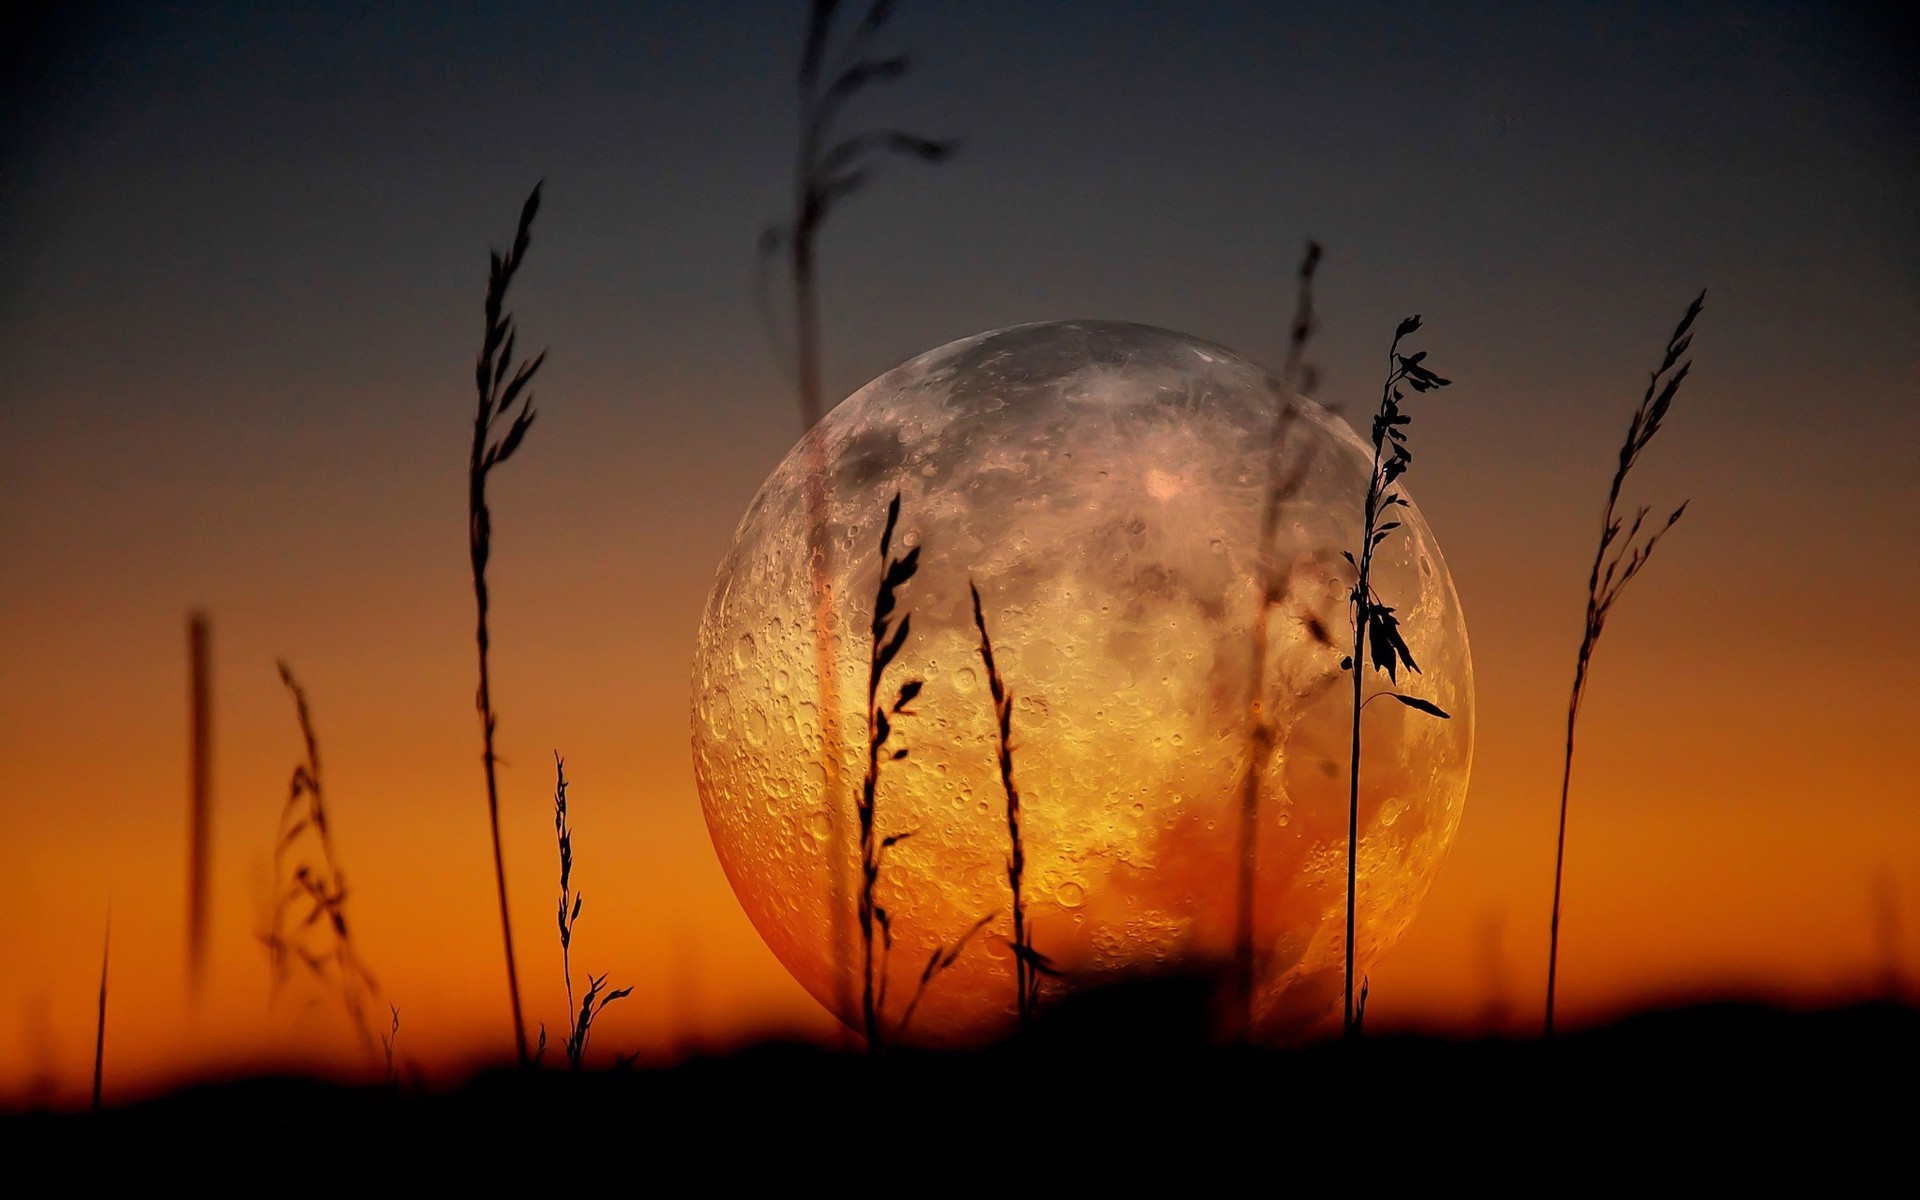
(570,903)
(942,958)
(1298,378)
(1374,625)
(1616,560)
(100,1021)
(497,393)
(888,637)
(828,168)
(320,884)
(1029,965)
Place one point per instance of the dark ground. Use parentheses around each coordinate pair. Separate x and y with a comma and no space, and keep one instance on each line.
(1725,1091)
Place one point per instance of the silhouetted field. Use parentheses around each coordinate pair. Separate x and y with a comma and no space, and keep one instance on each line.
(1737,1085)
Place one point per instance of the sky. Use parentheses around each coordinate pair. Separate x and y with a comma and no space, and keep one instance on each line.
(241,264)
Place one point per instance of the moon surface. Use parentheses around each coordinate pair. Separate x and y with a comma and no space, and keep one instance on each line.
(1102,484)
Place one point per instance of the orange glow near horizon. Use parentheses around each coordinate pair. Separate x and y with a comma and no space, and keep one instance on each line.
(1717,845)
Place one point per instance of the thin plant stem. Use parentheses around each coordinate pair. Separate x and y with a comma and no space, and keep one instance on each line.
(1374,625)
(571,901)
(888,638)
(1350,1027)
(318,882)
(1616,560)
(1028,964)
(498,392)
(100,1022)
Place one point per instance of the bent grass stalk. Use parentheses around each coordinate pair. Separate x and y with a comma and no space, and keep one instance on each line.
(1619,557)
(1029,965)
(316,881)
(498,391)
(597,997)
(829,167)
(387,1041)
(1300,378)
(942,958)
(1375,628)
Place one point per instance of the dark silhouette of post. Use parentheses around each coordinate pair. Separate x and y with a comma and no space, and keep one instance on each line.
(100,1023)
(1298,377)
(200,796)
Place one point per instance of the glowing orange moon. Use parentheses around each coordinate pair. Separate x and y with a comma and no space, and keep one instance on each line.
(1102,484)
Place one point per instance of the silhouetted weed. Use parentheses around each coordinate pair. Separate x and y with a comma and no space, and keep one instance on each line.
(1029,965)
(307,922)
(100,1020)
(1375,628)
(1620,556)
(597,998)
(501,385)
(889,636)
(387,1041)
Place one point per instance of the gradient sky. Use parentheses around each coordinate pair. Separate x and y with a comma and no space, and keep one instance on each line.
(241,260)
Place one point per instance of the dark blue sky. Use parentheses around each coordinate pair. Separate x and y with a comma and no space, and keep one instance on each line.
(289,177)
(238,241)
(240,227)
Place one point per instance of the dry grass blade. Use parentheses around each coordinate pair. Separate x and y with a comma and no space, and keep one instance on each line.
(942,959)
(1376,630)
(1623,552)
(888,638)
(1029,965)
(1282,485)
(504,393)
(387,1041)
(830,165)
(100,1021)
(571,901)
(307,922)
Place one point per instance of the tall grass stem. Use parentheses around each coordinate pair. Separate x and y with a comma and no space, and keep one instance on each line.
(1621,554)
(503,392)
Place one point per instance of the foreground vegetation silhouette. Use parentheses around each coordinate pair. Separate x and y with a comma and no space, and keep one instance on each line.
(1134,1062)
(1376,631)
(1620,556)
(504,393)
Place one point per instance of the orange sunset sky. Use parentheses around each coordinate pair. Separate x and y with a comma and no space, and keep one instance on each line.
(241,264)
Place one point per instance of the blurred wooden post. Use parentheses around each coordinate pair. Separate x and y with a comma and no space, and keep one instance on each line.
(199,858)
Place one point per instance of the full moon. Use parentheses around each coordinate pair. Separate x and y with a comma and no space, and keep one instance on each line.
(1102,485)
